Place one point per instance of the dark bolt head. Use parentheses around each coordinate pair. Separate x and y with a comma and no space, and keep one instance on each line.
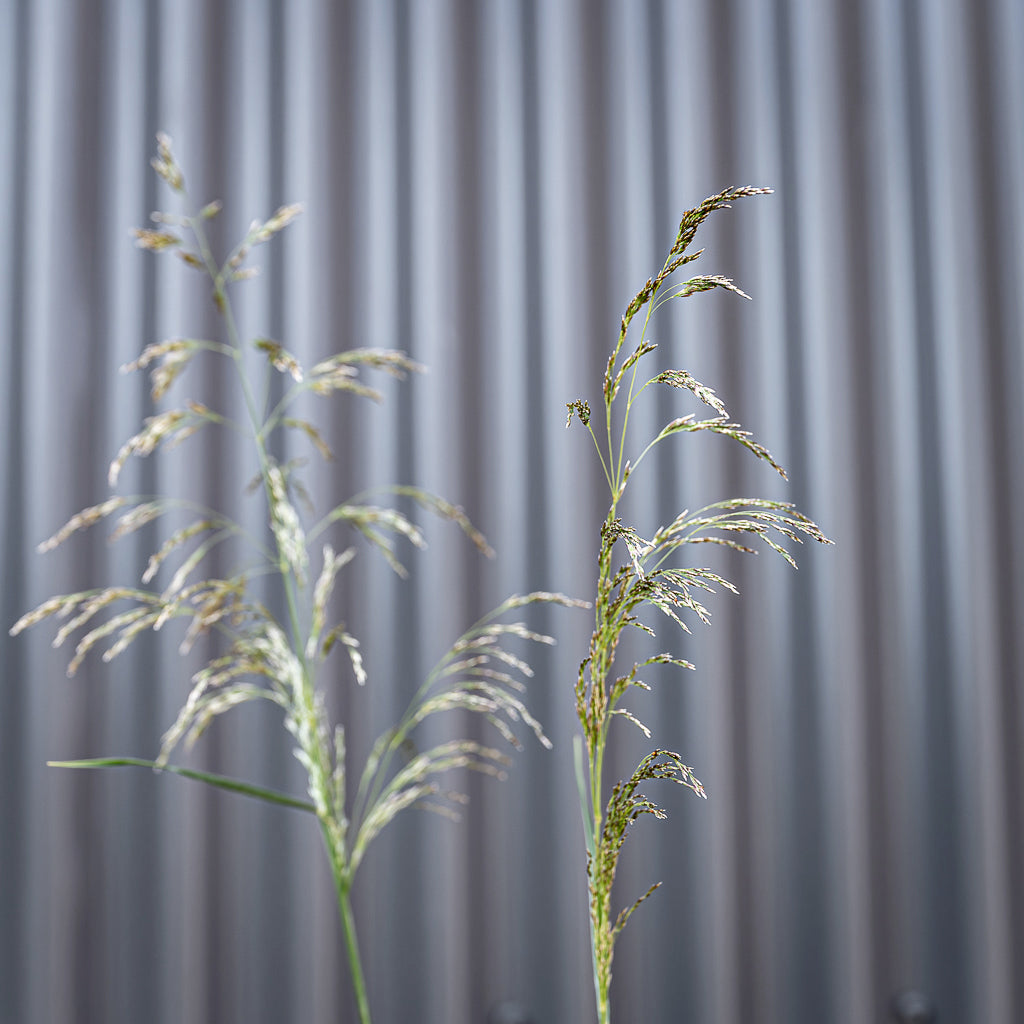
(509,1013)
(913,1007)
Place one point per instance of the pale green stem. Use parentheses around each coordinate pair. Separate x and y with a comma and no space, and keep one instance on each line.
(342,886)
(643,454)
(600,455)
(342,879)
(625,424)
(596,751)
(353,956)
(261,450)
(275,417)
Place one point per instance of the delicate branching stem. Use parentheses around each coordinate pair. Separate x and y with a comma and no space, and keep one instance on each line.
(223,303)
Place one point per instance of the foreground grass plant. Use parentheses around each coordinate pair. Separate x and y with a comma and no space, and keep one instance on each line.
(651,574)
(260,657)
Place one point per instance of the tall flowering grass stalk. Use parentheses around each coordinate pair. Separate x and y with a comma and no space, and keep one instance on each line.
(262,657)
(635,572)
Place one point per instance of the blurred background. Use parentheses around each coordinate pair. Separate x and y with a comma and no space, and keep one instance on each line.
(486,186)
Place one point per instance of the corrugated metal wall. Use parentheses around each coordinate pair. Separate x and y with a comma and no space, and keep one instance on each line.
(486,186)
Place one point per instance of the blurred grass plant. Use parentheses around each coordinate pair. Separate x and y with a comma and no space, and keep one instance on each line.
(650,576)
(260,657)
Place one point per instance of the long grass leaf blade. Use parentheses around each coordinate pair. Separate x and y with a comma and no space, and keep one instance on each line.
(220,781)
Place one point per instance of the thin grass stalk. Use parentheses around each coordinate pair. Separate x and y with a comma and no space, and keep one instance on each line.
(342,888)
(352,945)
(337,857)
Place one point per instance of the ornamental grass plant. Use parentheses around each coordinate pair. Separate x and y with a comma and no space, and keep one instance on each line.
(294,564)
(636,573)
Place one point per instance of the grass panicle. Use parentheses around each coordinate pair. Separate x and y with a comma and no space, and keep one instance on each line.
(635,573)
(257,655)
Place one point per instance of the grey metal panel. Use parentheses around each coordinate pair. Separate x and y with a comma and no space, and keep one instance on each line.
(485,186)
